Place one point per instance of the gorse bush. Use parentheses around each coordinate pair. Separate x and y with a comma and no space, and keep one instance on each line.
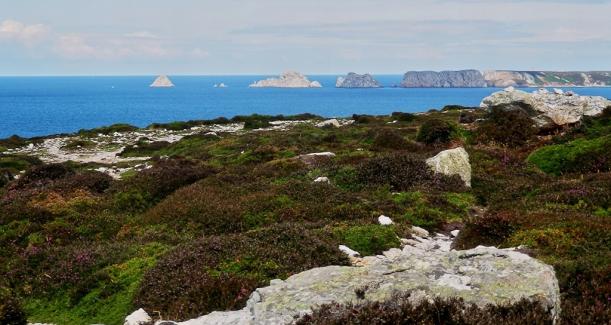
(508,125)
(435,131)
(400,310)
(579,156)
(228,268)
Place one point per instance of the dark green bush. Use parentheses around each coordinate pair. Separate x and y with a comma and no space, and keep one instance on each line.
(509,125)
(449,108)
(435,131)
(399,310)
(389,139)
(403,117)
(579,156)
(363,119)
(108,130)
(38,175)
(219,273)
(467,117)
(144,149)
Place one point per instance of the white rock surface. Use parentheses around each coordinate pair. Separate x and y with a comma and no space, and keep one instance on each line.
(455,233)
(139,317)
(452,162)
(427,268)
(322,180)
(331,122)
(162,82)
(559,107)
(385,221)
(346,250)
(419,231)
(290,79)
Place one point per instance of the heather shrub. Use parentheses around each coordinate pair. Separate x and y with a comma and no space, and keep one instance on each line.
(152,185)
(389,139)
(402,172)
(39,175)
(579,156)
(435,131)
(467,117)
(220,272)
(509,125)
(491,230)
(363,119)
(400,310)
(11,312)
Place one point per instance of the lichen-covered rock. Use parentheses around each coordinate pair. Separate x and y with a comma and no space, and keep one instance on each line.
(289,79)
(452,162)
(559,107)
(427,268)
(353,80)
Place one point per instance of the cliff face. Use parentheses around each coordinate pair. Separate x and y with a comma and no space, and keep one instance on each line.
(498,78)
(505,78)
(353,80)
(443,79)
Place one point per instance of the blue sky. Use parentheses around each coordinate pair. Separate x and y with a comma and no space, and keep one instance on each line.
(136,37)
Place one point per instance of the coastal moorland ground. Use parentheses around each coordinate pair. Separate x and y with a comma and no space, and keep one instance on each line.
(215,215)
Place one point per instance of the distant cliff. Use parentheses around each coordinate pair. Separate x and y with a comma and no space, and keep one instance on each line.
(353,80)
(505,78)
(499,78)
(444,79)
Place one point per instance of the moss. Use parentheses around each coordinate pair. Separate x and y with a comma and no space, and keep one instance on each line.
(368,239)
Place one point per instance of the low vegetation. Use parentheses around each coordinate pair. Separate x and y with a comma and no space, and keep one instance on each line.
(215,216)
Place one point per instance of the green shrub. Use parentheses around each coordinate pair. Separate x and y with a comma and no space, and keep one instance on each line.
(389,139)
(449,108)
(368,239)
(363,119)
(579,156)
(143,148)
(435,131)
(108,130)
(508,125)
(219,273)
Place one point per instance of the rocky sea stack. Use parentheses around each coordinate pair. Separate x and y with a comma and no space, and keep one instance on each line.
(443,79)
(354,80)
(162,82)
(290,79)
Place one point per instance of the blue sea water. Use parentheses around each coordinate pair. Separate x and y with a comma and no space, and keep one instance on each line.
(35,106)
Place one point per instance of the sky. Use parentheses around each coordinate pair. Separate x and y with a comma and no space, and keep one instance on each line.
(201,37)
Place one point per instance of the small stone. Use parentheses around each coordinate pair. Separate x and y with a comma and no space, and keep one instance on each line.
(419,231)
(385,221)
(346,250)
(322,180)
(455,233)
(139,317)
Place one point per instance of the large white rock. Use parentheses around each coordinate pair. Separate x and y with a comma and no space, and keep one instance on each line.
(290,79)
(385,221)
(162,82)
(427,268)
(559,107)
(329,123)
(452,162)
(139,317)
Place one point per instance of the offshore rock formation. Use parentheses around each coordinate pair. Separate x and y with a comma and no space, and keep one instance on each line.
(427,268)
(353,80)
(555,107)
(162,82)
(502,79)
(444,79)
(452,162)
(289,79)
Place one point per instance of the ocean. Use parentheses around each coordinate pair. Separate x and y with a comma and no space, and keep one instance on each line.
(37,106)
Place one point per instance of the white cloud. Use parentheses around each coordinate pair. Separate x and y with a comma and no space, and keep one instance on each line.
(141,34)
(76,46)
(20,32)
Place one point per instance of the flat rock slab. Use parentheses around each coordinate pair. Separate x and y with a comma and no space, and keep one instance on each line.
(427,269)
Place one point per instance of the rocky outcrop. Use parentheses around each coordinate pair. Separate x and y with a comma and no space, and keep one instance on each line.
(289,79)
(353,80)
(556,107)
(139,317)
(452,162)
(162,82)
(444,79)
(504,78)
(426,268)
